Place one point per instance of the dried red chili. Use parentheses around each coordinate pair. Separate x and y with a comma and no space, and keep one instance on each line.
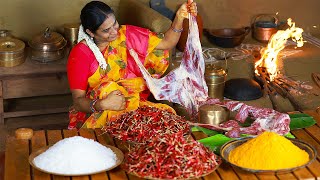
(146,122)
(170,157)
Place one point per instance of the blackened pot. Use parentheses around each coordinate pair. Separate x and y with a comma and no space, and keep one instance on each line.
(227,37)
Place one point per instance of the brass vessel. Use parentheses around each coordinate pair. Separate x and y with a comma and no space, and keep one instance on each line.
(215,77)
(213,114)
(71,33)
(11,52)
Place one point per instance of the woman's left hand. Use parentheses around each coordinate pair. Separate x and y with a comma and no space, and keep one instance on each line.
(186,8)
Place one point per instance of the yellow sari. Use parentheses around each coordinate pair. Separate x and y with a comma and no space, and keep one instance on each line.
(117,76)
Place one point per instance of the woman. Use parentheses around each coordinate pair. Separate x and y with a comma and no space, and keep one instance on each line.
(104,79)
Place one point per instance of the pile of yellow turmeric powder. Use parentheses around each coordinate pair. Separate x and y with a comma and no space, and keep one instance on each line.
(268,151)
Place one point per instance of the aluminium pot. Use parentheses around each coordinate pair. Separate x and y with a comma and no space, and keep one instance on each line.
(48,46)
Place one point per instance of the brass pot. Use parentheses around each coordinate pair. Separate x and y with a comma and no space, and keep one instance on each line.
(213,114)
(71,33)
(11,52)
(48,46)
(215,78)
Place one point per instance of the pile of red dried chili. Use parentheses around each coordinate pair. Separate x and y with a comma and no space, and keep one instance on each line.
(171,157)
(146,122)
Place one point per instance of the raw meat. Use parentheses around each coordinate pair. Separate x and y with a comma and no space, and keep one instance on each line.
(187,87)
(186,84)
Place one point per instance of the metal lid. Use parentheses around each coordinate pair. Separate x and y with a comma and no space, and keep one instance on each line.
(4,33)
(11,45)
(214,71)
(48,41)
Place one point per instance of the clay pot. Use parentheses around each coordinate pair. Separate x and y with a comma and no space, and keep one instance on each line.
(184,35)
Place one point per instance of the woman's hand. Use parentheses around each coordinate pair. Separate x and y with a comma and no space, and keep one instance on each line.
(115,101)
(186,8)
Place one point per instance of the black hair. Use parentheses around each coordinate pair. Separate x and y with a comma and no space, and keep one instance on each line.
(93,14)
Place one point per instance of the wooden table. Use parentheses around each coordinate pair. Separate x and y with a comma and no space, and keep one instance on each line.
(18,168)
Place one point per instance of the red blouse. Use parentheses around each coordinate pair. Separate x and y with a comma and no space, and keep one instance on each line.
(81,65)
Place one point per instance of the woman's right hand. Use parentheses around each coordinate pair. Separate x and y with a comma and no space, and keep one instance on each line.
(115,101)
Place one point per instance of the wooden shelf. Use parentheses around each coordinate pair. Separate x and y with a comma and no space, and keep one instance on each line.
(37,105)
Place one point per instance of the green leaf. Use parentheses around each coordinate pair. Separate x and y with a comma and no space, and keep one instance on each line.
(289,135)
(215,142)
(299,121)
(206,131)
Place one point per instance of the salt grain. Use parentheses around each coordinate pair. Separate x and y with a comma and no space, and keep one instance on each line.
(76,155)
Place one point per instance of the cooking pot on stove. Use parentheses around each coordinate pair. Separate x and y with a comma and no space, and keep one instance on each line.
(48,46)
(262,30)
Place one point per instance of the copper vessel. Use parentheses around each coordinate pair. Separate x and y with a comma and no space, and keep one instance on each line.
(48,46)
(263,30)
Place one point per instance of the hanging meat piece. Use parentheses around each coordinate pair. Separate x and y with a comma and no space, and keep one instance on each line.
(186,84)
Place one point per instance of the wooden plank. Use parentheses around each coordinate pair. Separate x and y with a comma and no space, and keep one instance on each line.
(303,173)
(244,175)
(53,137)
(16,159)
(211,176)
(104,138)
(35,112)
(286,176)
(69,133)
(303,135)
(1,105)
(266,176)
(30,67)
(315,168)
(36,86)
(226,172)
(39,141)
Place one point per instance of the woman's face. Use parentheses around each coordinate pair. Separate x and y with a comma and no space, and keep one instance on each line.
(108,30)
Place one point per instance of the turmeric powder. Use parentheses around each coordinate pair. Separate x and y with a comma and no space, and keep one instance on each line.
(268,151)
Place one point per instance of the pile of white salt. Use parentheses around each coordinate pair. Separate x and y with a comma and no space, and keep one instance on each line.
(76,155)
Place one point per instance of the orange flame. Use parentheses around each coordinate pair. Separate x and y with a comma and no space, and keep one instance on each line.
(277,43)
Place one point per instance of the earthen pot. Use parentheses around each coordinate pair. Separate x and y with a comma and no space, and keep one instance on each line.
(184,35)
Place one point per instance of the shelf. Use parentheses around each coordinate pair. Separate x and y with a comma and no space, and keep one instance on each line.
(37,105)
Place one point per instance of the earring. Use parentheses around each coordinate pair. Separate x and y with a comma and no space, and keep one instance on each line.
(91,38)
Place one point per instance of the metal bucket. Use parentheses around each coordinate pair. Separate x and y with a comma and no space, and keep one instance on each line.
(263,30)
(215,77)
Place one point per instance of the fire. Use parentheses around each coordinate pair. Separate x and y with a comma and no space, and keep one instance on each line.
(277,43)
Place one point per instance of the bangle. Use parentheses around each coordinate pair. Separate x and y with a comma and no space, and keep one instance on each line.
(176,30)
(92,103)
